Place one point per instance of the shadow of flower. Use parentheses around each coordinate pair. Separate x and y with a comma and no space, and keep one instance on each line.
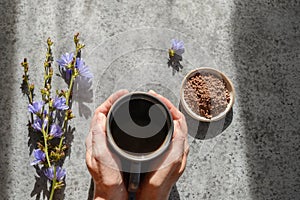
(174,62)
(82,94)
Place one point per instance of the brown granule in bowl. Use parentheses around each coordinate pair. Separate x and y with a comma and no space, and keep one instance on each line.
(206,94)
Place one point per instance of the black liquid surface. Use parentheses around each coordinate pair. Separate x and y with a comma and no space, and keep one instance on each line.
(139,113)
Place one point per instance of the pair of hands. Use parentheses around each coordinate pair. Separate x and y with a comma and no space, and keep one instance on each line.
(103,164)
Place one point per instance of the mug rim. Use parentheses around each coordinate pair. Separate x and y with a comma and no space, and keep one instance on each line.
(137,157)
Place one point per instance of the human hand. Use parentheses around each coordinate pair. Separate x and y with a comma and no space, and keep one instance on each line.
(101,162)
(158,184)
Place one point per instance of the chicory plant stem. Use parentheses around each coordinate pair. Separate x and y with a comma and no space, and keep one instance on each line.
(53,187)
(47,79)
(29,88)
(69,92)
(68,95)
(46,147)
(30,98)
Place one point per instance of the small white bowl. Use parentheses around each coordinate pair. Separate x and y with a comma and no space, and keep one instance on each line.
(229,86)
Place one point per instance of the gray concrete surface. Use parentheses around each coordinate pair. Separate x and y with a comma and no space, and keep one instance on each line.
(255,43)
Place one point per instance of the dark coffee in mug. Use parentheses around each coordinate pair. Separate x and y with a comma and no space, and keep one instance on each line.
(146,140)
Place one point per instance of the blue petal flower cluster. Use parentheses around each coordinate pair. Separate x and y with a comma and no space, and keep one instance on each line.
(49,117)
(35,107)
(39,156)
(65,65)
(60,103)
(83,69)
(177,47)
(60,173)
(66,60)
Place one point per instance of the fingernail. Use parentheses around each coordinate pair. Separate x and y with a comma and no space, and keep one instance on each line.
(123,91)
(151,91)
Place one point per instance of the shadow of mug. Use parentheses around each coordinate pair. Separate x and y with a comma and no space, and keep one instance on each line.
(206,130)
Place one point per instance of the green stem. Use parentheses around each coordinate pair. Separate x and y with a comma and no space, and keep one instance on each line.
(53,183)
(46,148)
(47,79)
(70,89)
(30,95)
(68,94)
(30,101)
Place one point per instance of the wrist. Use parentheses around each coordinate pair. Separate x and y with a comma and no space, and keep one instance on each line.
(110,194)
(153,193)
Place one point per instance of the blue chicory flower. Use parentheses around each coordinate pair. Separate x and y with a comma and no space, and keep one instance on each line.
(60,173)
(55,131)
(65,59)
(39,156)
(38,124)
(177,46)
(35,107)
(60,103)
(49,173)
(83,69)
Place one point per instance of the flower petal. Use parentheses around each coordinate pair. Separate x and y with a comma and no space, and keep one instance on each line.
(60,173)
(49,173)
(56,131)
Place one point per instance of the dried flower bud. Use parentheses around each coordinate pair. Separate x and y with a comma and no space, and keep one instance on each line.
(49,42)
(61,93)
(64,147)
(48,86)
(51,103)
(25,65)
(80,46)
(76,72)
(44,91)
(55,156)
(69,115)
(59,185)
(171,52)
(76,39)
(40,146)
(51,71)
(31,87)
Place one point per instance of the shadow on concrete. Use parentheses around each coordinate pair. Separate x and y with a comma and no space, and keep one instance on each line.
(40,190)
(91,190)
(7,53)
(206,130)
(82,95)
(266,36)
(174,195)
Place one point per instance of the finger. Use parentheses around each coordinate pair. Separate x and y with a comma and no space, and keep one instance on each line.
(186,130)
(88,141)
(99,144)
(104,108)
(176,114)
(184,158)
(180,132)
(90,150)
(172,157)
(93,128)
